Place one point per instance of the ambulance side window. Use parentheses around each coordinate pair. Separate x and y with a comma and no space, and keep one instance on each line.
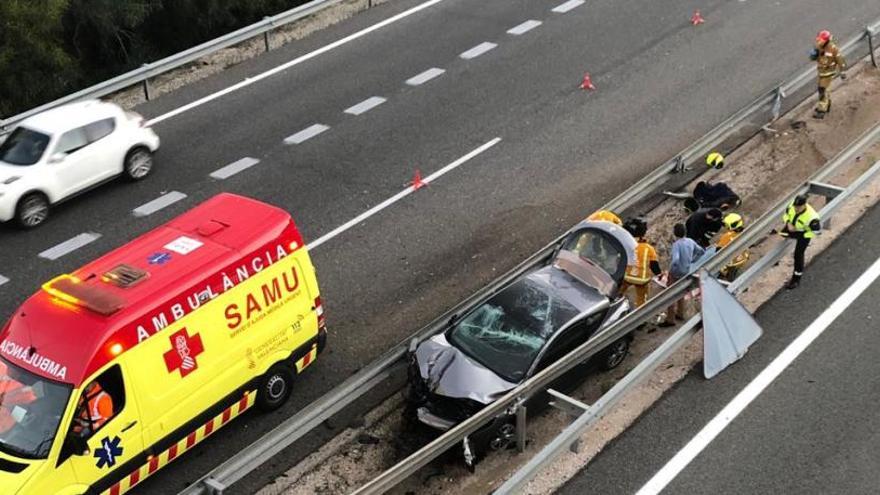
(101,400)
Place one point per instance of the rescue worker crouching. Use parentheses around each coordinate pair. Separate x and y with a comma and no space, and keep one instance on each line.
(802,223)
(647,263)
(734,224)
(703,224)
(829,64)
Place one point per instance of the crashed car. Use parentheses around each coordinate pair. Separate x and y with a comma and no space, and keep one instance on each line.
(521,329)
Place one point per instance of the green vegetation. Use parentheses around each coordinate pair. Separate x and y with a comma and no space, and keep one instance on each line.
(49,48)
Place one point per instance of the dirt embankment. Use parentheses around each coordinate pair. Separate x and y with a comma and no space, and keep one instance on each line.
(762,171)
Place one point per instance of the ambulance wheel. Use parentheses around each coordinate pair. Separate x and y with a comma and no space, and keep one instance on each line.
(275,387)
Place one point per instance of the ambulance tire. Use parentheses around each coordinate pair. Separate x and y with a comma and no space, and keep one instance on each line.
(275,387)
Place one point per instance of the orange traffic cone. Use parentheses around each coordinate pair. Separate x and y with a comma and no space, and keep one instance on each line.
(417,182)
(697,18)
(587,83)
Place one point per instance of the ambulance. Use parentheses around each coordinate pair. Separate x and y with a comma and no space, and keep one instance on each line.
(109,373)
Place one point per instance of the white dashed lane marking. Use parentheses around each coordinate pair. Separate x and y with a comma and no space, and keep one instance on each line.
(234,168)
(366,105)
(69,246)
(157,204)
(524,27)
(306,134)
(569,5)
(425,76)
(478,50)
(3,280)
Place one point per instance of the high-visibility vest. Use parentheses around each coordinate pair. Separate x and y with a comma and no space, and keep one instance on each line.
(741,258)
(100,407)
(801,221)
(604,215)
(640,273)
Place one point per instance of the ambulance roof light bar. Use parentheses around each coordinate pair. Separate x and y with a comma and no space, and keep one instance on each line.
(71,289)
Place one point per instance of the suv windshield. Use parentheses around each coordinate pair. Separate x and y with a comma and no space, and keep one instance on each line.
(23,147)
(506,333)
(30,410)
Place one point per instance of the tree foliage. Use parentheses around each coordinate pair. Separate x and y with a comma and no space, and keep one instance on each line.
(49,48)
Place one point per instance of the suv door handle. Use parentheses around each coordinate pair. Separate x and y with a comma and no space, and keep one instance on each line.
(129,426)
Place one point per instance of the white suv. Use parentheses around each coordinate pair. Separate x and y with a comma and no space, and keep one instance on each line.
(62,152)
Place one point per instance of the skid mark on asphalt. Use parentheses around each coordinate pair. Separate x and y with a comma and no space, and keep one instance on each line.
(306,134)
(568,6)
(234,168)
(366,105)
(425,76)
(524,27)
(159,203)
(402,194)
(478,50)
(69,246)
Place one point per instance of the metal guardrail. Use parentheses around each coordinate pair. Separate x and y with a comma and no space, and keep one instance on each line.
(577,428)
(143,74)
(726,137)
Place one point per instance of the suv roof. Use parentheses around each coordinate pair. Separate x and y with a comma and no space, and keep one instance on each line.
(71,116)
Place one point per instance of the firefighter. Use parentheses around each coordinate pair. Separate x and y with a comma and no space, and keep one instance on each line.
(829,64)
(95,409)
(715,160)
(802,223)
(647,262)
(734,225)
(604,216)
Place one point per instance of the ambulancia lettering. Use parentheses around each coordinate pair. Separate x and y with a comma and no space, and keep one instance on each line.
(258,300)
(237,275)
(33,359)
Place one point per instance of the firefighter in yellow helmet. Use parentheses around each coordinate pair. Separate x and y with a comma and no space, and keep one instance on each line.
(734,225)
(604,216)
(647,264)
(715,160)
(829,64)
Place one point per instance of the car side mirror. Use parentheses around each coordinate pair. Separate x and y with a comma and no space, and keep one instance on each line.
(57,158)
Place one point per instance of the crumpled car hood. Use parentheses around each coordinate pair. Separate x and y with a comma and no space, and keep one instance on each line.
(449,372)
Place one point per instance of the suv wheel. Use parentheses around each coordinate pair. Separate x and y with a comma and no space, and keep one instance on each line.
(615,354)
(138,163)
(275,387)
(32,210)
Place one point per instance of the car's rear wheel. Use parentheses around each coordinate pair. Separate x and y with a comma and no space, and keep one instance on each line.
(138,163)
(32,210)
(275,387)
(615,354)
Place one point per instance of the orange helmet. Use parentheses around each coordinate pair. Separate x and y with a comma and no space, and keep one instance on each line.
(823,37)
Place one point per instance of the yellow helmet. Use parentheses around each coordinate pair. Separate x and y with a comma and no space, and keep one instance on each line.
(606,216)
(733,221)
(715,160)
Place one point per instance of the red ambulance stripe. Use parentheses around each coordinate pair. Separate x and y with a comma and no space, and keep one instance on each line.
(172,452)
(209,428)
(227,415)
(242,404)
(115,489)
(134,478)
(154,465)
(190,440)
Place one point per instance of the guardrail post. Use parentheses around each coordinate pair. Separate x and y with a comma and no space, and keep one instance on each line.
(266,34)
(214,487)
(777,103)
(679,166)
(146,84)
(521,428)
(870,35)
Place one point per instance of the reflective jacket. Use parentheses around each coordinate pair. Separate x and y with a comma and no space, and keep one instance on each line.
(640,273)
(806,222)
(829,61)
(725,239)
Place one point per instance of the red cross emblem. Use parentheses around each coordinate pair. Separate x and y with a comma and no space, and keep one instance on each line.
(184,350)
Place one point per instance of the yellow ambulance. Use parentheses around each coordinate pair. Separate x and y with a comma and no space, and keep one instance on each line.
(111,372)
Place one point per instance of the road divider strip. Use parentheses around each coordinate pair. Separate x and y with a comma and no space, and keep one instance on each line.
(478,50)
(524,27)
(425,76)
(159,203)
(366,105)
(306,134)
(3,280)
(568,6)
(234,168)
(69,246)
(402,194)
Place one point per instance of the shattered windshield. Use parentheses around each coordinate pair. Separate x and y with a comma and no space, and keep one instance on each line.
(507,332)
(30,410)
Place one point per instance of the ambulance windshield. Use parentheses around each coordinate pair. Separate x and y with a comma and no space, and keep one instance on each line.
(30,410)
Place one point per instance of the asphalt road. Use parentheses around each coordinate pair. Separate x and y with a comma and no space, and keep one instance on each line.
(812,430)
(563,152)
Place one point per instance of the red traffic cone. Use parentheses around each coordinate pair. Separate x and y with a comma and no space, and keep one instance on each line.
(697,18)
(417,182)
(587,83)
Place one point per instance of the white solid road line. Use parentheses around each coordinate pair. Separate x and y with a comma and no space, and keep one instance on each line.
(69,245)
(397,197)
(478,50)
(567,6)
(159,203)
(306,134)
(234,168)
(292,63)
(366,105)
(524,27)
(425,76)
(762,381)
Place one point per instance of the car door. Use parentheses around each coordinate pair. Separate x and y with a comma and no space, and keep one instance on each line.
(562,344)
(77,162)
(108,151)
(115,442)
